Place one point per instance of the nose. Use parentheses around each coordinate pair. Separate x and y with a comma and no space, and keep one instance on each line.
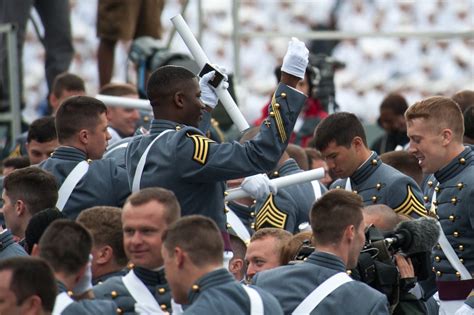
(411,147)
(251,271)
(135,115)
(331,164)
(136,239)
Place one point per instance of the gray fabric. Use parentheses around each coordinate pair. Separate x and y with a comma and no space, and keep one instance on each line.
(8,247)
(379,183)
(292,284)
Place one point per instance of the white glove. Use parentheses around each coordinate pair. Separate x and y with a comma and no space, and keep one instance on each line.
(208,92)
(465,310)
(85,284)
(259,186)
(296,58)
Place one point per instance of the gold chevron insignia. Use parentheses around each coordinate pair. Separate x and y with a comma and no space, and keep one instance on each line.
(275,113)
(270,216)
(201,147)
(411,204)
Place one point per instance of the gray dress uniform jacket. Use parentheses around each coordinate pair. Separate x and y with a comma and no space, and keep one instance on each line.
(195,167)
(87,307)
(219,293)
(104,184)
(290,206)
(292,284)
(379,183)
(8,247)
(454,208)
(114,289)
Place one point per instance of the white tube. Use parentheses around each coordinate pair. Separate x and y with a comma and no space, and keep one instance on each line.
(280,182)
(201,59)
(118,101)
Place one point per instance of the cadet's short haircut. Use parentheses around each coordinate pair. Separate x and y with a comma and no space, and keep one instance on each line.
(36,187)
(299,155)
(238,246)
(395,102)
(386,216)
(161,195)
(404,162)
(16,162)
(292,247)
(77,113)
(440,112)
(105,225)
(469,122)
(31,276)
(118,89)
(42,130)
(198,236)
(340,127)
(280,235)
(67,82)
(66,246)
(464,99)
(333,213)
(38,224)
(165,82)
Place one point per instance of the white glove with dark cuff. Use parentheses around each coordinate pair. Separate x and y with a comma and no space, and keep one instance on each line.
(296,58)
(208,92)
(259,186)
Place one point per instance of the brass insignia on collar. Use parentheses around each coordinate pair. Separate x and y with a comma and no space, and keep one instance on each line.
(411,204)
(201,147)
(270,216)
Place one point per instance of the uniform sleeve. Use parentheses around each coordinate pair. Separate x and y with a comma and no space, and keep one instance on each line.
(119,185)
(200,159)
(405,197)
(380,307)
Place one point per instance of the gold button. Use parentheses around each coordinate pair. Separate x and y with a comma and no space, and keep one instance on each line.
(374,162)
(226,210)
(461,247)
(89,161)
(119,311)
(425,198)
(252,214)
(435,202)
(349,272)
(130,266)
(454,200)
(226,193)
(114,294)
(146,118)
(430,183)
(178,128)
(228,226)
(277,106)
(70,293)
(433,269)
(161,290)
(460,186)
(283,95)
(195,287)
(252,226)
(272,114)
(378,186)
(451,218)
(437,259)
(438,273)
(338,187)
(437,189)
(374,199)
(163,307)
(276,174)
(461,260)
(438,246)
(458,274)
(456,234)
(462,161)
(354,191)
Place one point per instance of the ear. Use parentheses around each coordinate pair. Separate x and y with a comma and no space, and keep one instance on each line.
(178,99)
(447,135)
(35,250)
(236,265)
(180,257)
(104,255)
(357,143)
(349,233)
(32,305)
(84,136)
(20,207)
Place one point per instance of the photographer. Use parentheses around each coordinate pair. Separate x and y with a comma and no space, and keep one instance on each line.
(338,229)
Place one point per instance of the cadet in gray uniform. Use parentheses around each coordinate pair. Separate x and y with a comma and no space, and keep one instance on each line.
(81,124)
(9,247)
(435,128)
(338,228)
(194,167)
(146,214)
(69,258)
(193,267)
(341,139)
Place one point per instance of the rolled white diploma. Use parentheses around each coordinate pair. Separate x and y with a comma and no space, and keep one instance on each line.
(201,59)
(280,182)
(127,102)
